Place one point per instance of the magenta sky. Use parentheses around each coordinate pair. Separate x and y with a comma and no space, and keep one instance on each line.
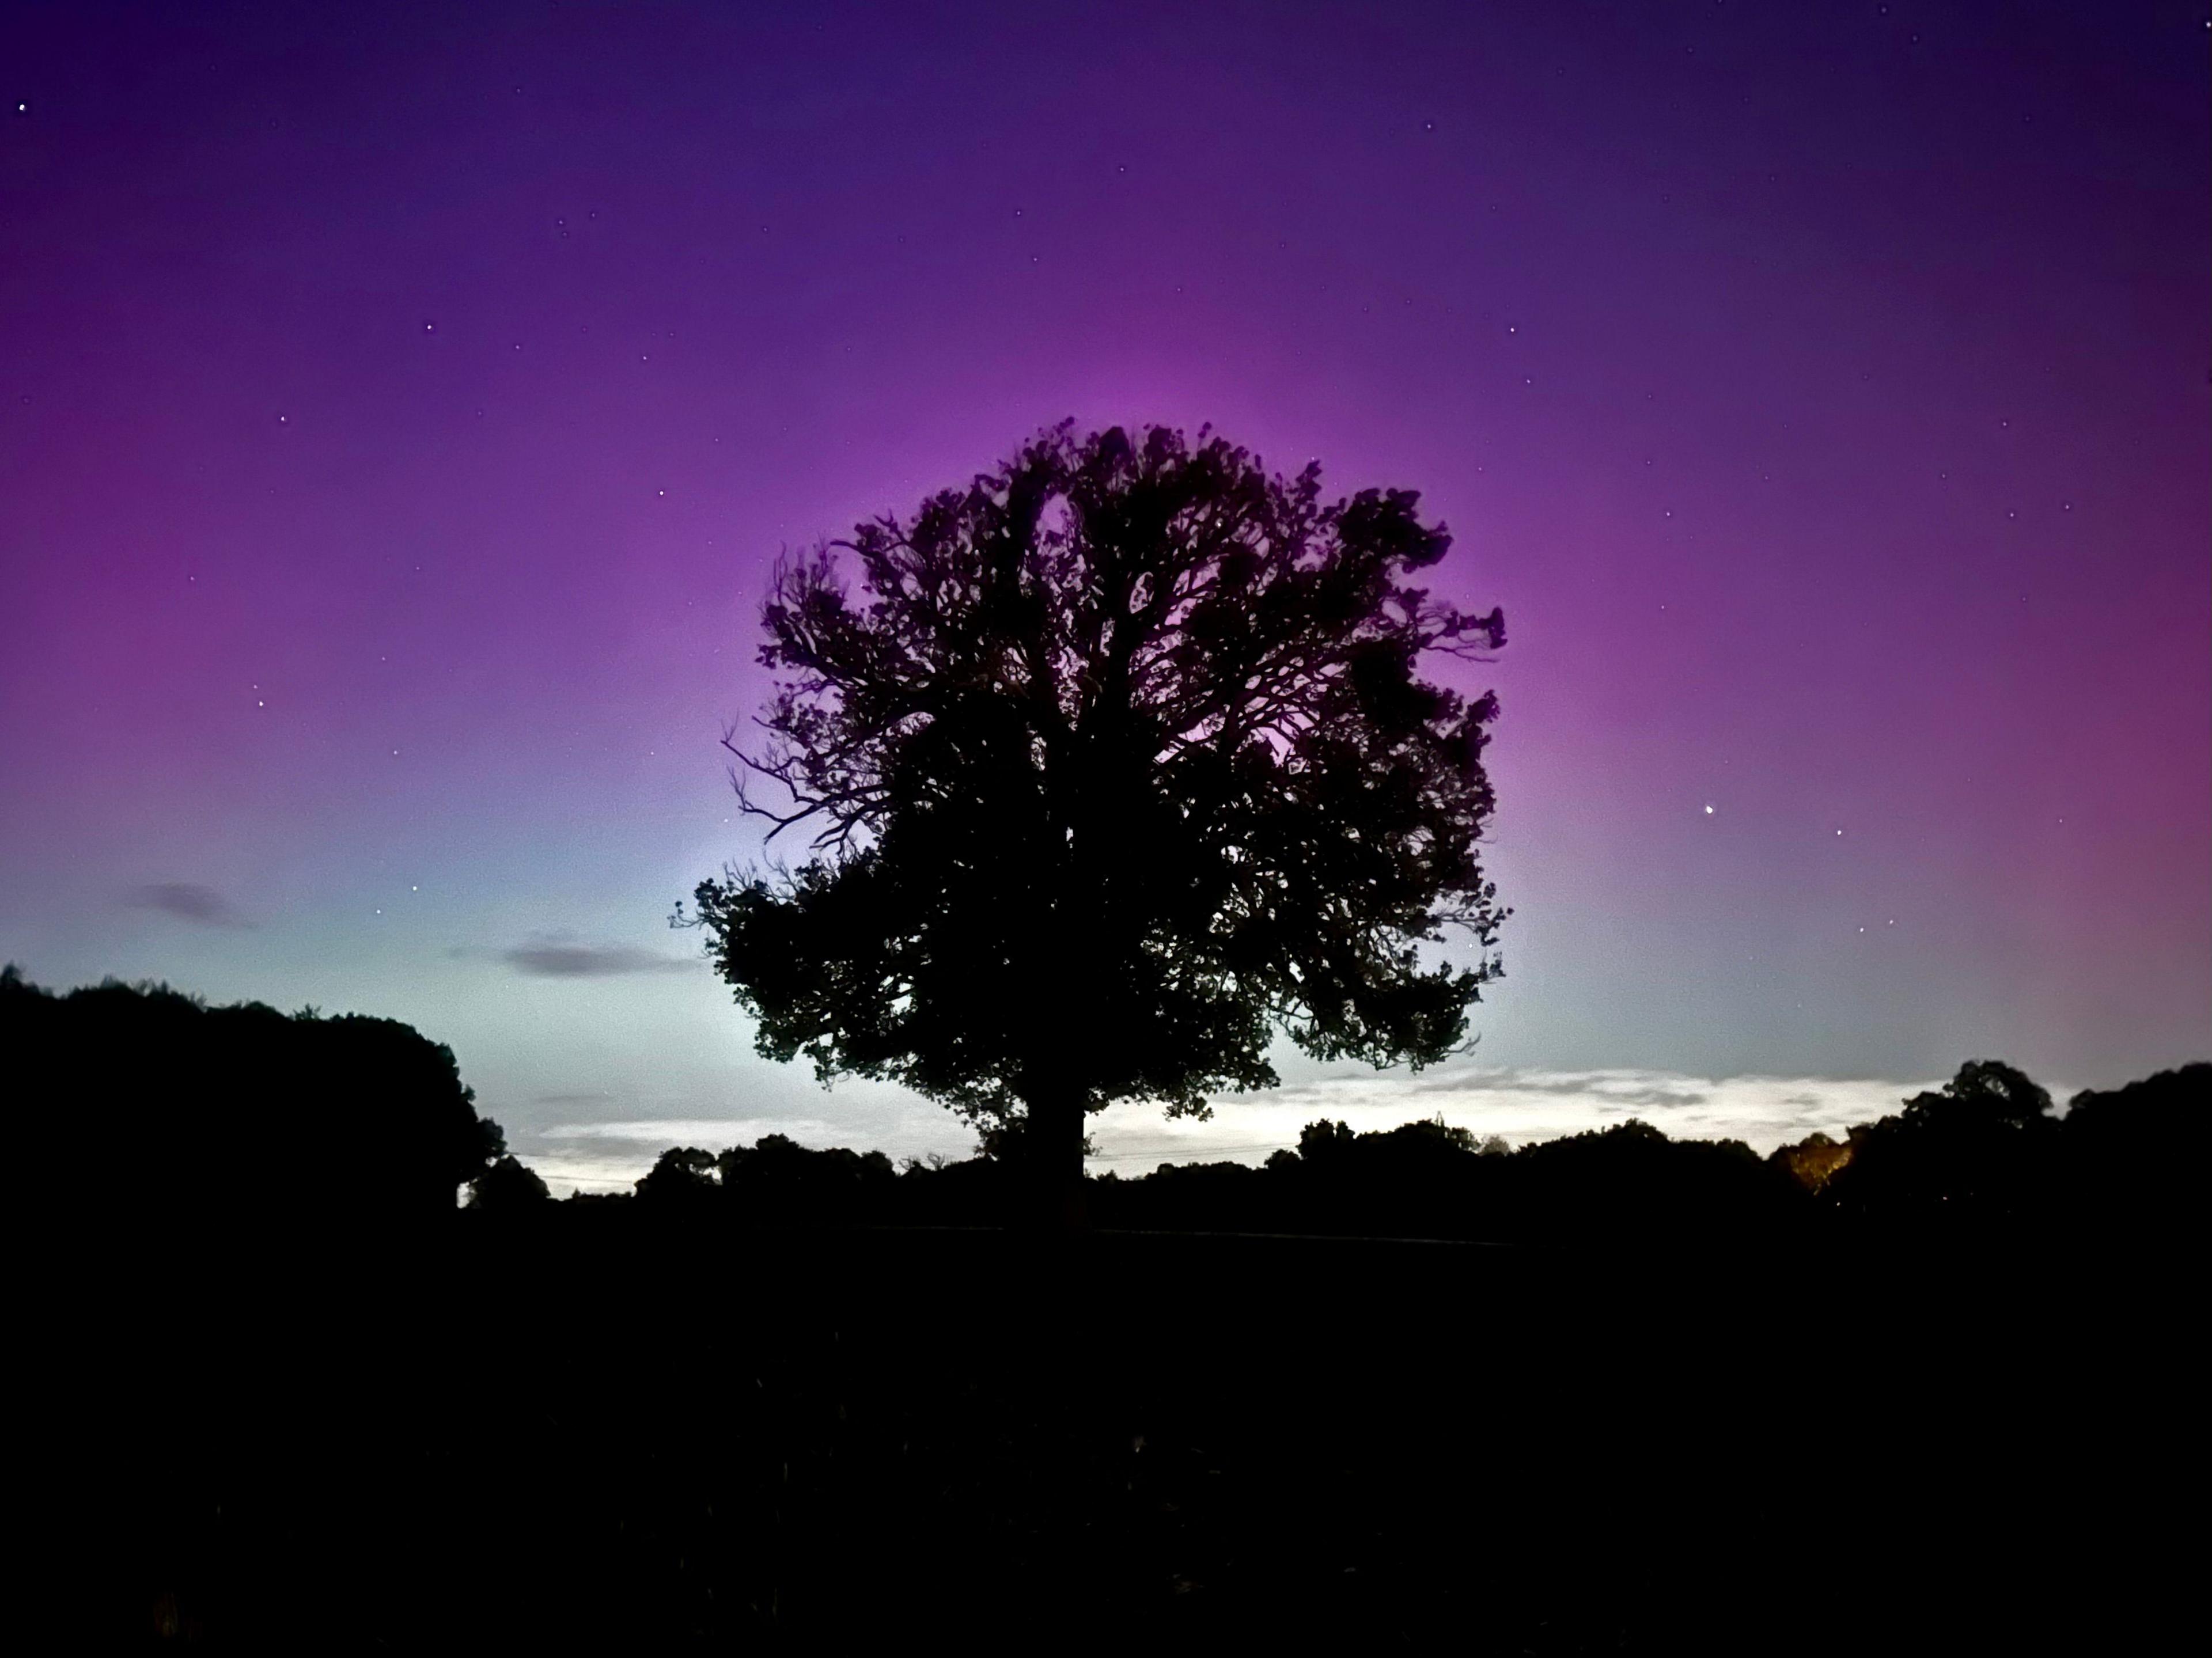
(400,407)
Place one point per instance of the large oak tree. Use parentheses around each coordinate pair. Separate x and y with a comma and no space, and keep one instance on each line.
(1117,759)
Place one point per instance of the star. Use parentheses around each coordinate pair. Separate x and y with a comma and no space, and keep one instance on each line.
(1709,811)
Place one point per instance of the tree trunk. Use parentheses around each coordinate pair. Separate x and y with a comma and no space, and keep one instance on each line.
(1057,1202)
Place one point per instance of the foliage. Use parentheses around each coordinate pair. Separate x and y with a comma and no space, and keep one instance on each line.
(231,1114)
(507,1184)
(1979,1141)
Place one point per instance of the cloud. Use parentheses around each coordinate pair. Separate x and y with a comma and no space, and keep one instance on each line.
(557,956)
(590,961)
(610,1156)
(564,1173)
(1519,1105)
(187,903)
(1618,1087)
(716,1132)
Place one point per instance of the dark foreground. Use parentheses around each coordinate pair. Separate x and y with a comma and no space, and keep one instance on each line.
(637,1436)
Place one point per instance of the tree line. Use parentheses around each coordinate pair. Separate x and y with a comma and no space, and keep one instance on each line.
(1988,1153)
(224,1117)
(187,1120)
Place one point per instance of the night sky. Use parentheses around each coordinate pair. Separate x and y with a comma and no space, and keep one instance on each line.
(401,408)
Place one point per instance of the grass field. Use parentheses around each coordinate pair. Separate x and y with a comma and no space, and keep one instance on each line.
(640,1436)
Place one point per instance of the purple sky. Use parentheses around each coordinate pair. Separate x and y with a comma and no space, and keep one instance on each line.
(400,407)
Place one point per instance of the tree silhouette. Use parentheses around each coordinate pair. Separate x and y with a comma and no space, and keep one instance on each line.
(683,1175)
(1978,1147)
(2130,1155)
(238,1116)
(508,1185)
(1121,760)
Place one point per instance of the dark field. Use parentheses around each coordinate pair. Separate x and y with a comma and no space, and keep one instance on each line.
(603,1431)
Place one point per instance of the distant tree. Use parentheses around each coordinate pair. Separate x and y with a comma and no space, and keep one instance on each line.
(778,1180)
(681,1174)
(1436,1133)
(507,1184)
(367,1067)
(2129,1159)
(1318,1142)
(1121,760)
(1632,1181)
(1981,1142)
(1423,1178)
(2171,1109)
(1813,1161)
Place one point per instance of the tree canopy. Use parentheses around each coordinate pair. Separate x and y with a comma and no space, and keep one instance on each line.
(242,1115)
(1981,1141)
(1118,759)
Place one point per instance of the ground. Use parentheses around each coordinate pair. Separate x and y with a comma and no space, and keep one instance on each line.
(692,1436)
